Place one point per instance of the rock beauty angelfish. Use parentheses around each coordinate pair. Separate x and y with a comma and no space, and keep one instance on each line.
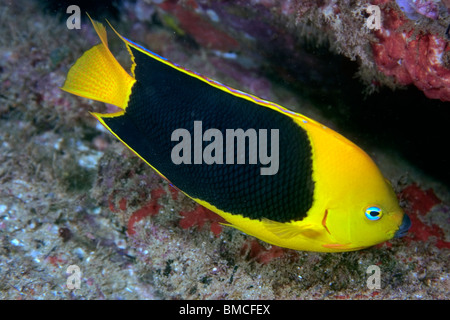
(326,194)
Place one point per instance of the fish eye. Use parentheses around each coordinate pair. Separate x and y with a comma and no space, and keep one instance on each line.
(373,213)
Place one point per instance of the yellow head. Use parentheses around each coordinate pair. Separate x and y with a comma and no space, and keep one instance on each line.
(356,204)
(368,213)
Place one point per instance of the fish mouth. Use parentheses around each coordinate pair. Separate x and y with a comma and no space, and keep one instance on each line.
(404,227)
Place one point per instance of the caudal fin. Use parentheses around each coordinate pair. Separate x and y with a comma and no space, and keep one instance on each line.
(98,75)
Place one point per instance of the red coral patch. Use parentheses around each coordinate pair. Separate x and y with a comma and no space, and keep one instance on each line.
(199,216)
(420,201)
(150,209)
(419,204)
(253,250)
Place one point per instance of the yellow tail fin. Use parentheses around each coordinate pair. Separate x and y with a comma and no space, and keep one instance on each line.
(98,75)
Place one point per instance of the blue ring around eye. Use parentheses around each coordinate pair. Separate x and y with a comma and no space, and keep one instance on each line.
(373,213)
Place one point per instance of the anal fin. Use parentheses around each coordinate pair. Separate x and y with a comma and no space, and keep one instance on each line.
(341,246)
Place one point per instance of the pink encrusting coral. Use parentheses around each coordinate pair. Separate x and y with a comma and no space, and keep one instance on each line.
(420,59)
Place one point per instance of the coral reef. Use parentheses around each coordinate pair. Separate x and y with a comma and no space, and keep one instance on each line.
(281,30)
(72,195)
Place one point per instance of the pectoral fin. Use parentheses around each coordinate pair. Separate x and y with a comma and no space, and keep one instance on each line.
(289,230)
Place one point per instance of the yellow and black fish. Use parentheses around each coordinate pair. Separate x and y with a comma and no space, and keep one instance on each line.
(325,195)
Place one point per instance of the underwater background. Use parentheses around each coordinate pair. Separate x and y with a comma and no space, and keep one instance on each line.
(70,194)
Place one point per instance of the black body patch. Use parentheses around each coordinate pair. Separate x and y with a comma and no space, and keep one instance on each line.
(164,99)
